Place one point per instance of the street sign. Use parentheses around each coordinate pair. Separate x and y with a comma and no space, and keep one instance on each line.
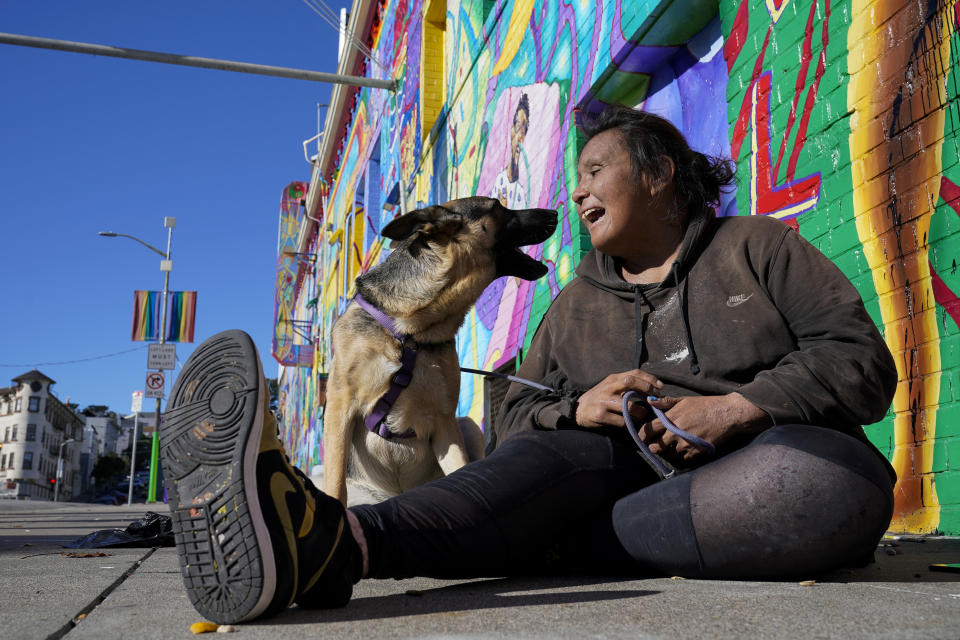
(154,385)
(136,402)
(161,356)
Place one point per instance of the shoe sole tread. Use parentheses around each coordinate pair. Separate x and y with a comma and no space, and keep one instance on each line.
(209,442)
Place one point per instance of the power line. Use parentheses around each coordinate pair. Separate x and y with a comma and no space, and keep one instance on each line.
(331,18)
(50,364)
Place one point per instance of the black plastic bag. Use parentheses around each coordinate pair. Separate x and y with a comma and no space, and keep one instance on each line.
(152,530)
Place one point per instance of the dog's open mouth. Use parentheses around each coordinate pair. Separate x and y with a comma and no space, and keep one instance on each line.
(592,214)
(531,226)
(514,262)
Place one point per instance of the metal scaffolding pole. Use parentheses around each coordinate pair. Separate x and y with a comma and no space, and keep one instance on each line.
(193,61)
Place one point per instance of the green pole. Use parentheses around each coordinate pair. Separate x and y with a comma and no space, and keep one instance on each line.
(154,463)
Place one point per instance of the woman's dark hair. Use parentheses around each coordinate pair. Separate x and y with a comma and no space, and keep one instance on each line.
(697,179)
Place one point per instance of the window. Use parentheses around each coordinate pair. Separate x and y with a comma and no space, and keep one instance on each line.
(34,404)
(19,405)
(13,434)
(6,434)
(28,460)
(3,461)
(10,461)
(31,432)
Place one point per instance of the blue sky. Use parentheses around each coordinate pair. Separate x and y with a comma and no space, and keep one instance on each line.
(90,144)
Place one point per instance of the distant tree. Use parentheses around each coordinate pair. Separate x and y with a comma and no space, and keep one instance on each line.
(107,467)
(98,411)
(144,444)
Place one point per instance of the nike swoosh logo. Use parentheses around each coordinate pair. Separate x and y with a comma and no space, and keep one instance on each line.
(323,567)
(736,301)
(308,515)
(280,486)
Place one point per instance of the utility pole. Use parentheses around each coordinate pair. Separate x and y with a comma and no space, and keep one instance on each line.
(195,61)
(166,265)
(133,455)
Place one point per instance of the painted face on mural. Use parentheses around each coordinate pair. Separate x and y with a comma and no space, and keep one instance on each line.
(521,121)
(615,208)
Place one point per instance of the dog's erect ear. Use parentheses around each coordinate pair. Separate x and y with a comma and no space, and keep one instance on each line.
(432,220)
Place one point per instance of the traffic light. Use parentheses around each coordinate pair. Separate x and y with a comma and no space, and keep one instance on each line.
(53,481)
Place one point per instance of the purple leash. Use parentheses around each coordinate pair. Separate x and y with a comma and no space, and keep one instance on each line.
(401,379)
(651,457)
(654,460)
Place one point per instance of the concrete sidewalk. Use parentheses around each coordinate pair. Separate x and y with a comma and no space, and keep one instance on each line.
(52,592)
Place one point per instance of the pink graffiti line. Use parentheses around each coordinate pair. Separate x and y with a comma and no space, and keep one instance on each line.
(944,296)
(733,45)
(783,201)
(806,56)
(950,194)
(811,96)
(743,120)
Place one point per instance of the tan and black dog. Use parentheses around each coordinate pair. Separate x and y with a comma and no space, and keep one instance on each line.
(441,260)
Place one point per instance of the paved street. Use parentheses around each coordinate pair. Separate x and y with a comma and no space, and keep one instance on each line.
(52,592)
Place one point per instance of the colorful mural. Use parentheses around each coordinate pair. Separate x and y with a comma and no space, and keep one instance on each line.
(839,113)
(895,205)
(854,140)
(291,341)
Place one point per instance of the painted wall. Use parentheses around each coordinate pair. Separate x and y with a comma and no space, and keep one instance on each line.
(843,119)
(840,114)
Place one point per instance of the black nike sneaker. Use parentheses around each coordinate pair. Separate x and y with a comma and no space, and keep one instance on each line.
(252,532)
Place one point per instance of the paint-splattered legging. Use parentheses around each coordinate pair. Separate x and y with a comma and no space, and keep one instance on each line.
(798,500)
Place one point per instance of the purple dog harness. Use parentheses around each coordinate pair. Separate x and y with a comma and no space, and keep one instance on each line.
(400,380)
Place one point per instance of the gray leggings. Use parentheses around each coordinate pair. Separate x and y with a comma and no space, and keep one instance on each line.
(798,500)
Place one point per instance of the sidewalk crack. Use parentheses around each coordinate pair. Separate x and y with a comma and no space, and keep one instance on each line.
(74,620)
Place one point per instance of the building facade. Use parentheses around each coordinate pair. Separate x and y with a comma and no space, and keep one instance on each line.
(841,116)
(145,424)
(108,431)
(37,428)
(88,456)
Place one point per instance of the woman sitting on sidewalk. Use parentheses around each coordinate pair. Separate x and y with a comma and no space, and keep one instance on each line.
(739,330)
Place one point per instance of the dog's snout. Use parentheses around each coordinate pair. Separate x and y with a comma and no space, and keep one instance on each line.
(529,226)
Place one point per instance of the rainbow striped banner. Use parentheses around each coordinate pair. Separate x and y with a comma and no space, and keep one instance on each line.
(181,314)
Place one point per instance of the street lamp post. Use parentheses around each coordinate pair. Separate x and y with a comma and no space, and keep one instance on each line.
(56,485)
(166,266)
(133,455)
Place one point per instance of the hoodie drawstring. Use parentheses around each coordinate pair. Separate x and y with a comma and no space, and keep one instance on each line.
(638,319)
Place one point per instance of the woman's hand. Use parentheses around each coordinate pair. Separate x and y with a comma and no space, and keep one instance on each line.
(713,418)
(601,405)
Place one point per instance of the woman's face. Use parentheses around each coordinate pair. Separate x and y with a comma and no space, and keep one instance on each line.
(518,131)
(613,205)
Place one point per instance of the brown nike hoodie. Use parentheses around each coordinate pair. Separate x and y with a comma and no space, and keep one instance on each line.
(749,306)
